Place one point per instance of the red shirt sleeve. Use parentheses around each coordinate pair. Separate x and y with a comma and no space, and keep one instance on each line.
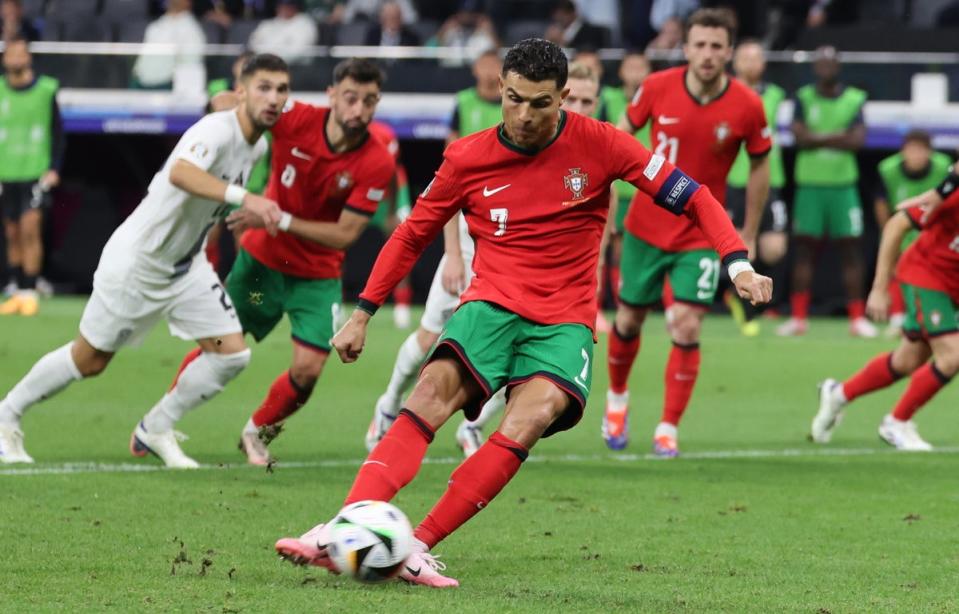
(758,133)
(640,109)
(441,199)
(675,191)
(371,186)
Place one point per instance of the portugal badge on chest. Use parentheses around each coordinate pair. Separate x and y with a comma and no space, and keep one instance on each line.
(576,182)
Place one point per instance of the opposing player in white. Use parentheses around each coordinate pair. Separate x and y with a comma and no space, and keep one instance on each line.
(154,266)
(452,276)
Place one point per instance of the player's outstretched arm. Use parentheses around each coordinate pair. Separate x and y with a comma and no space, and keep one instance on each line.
(256,210)
(453,275)
(337,235)
(877,305)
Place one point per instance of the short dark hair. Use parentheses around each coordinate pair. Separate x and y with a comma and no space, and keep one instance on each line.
(713,18)
(917,135)
(567,6)
(263,61)
(537,59)
(360,70)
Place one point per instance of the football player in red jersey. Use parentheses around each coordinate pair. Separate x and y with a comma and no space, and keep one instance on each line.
(700,116)
(328,175)
(929,275)
(535,193)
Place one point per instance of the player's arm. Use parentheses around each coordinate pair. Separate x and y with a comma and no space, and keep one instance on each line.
(931,200)
(877,305)
(336,235)
(58,146)
(440,201)
(757,193)
(608,230)
(260,212)
(638,112)
(880,204)
(851,139)
(678,193)
(454,271)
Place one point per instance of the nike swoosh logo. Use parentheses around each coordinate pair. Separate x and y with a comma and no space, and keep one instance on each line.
(413,572)
(488,192)
(300,154)
(665,121)
(374,462)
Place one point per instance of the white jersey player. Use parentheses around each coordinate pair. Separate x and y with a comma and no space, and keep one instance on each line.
(453,275)
(154,267)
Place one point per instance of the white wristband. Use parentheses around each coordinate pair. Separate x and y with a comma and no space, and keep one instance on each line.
(738,266)
(234,194)
(285,220)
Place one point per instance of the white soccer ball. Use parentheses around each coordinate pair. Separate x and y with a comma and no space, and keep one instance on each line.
(370,540)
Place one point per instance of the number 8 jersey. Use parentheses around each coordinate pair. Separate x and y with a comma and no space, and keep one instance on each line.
(701,139)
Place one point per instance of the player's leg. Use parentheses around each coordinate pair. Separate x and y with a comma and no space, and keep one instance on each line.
(11,210)
(440,305)
(809,229)
(469,434)
(311,305)
(939,326)
(643,270)
(550,381)
(897,309)
(48,376)
(845,224)
(770,258)
(31,247)
(402,304)
(695,279)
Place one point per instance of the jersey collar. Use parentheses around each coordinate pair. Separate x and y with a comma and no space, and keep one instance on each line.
(526,151)
(729,81)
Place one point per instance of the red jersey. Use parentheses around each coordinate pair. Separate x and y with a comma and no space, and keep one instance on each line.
(932,261)
(311,181)
(701,139)
(537,217)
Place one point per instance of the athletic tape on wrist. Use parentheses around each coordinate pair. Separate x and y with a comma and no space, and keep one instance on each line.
(737,267)
(234,194)
(285,220)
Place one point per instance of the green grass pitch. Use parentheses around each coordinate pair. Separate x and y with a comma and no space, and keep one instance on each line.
(753,518)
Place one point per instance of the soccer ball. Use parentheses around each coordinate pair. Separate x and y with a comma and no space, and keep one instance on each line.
(370,540)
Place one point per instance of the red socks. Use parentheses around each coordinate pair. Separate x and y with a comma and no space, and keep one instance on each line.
(190,357)
(619,358)
(283,400)
(403,295)
(878,373)
(799,301)
(856,309)
(471,487)
(682,369)
(394,461)
(923,385)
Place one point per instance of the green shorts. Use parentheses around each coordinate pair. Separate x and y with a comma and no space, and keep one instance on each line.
(693,274)
(833,212)
(929,313)
(262,295)
(501,348)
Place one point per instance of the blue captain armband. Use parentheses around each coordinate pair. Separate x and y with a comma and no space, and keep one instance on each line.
(676,192)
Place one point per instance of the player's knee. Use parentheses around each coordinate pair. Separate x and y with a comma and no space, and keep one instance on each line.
(772,248)
(686,325)
(529,418)
(629,320)
(947,357)
(228,366)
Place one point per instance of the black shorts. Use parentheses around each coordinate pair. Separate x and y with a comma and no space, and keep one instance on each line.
(775,215)
(18,197)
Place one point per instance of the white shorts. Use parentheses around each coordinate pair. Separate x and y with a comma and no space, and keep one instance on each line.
(121,312)
(440,304)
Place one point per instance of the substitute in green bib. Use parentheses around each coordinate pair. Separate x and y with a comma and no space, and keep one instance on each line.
(829,129)
(749,64)
(31,151)
(478,107)
(915,169)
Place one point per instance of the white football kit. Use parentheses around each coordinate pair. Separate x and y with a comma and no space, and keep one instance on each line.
(153,266)
(440,304)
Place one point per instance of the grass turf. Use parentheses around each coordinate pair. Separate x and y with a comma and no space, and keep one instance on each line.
(767,523)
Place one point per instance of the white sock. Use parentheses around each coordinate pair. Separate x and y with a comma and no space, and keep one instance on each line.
(617,400)
(408,362)
(419,546)
(200,381)
(838,394)
(250,428)
(49,375)
(490,409)
(667,429)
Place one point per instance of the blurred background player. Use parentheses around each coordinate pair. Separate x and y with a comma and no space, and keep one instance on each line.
(32,144)
(928,273)
(152,267)
(393,209)
(633,70)
(477,108)
(749,65)
(328,177)
(915,169)
(699,116)
(829,129)
(525,321)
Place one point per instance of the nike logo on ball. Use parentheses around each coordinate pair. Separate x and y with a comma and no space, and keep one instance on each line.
(668,120)
(488,192)
(300,154)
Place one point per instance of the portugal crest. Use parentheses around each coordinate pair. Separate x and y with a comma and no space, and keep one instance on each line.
(722,132)
(576,182)
(344,181)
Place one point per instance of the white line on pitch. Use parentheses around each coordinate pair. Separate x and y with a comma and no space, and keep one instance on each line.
(73,468)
